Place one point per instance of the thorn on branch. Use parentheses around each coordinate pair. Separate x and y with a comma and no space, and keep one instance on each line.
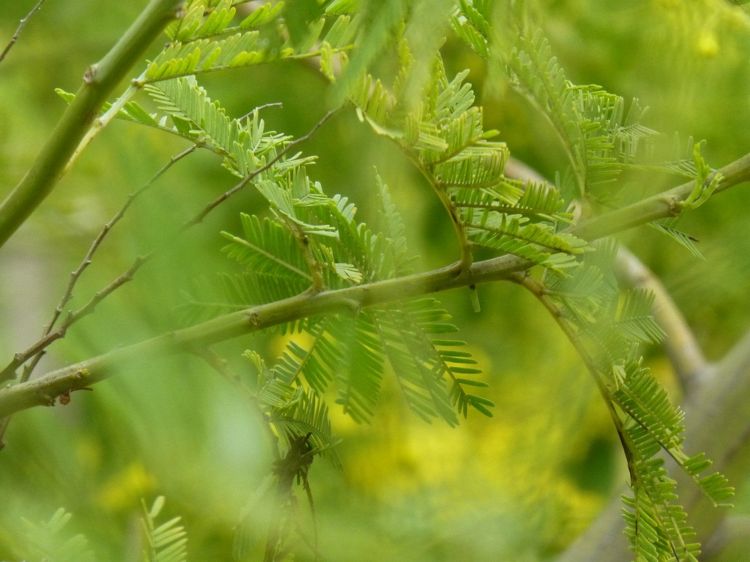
(254,319)
(64,398)
(89,77)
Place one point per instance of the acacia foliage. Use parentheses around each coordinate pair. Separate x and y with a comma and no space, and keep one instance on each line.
(308,240)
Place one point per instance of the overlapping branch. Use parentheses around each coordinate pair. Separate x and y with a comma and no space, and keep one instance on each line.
(44,390)
(716,417)
(681,346)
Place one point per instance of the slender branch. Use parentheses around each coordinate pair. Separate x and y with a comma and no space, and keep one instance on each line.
(20,28)
(682,348)
(37,348)
(717,418)
(104,119)
(98,82)
(44,390)
(464,245)
(538,290)
(662,205)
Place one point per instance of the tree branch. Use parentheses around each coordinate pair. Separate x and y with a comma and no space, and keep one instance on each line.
(20,28)
(98,82)
(36,350)
(682,348)
(717,420)
(680,343)
(48,336)
(659,206)
(44,390)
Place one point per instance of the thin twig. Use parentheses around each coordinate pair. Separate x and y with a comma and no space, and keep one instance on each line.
(250,177)
(538,290)
(36,350)
(459,228)
(717,418)
(98,82)
(48,336)
(19,29)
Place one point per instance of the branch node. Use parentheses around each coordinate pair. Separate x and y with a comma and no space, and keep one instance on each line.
(90,76)
(254,319)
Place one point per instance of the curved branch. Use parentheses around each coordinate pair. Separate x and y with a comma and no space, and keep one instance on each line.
(682,348)
(98,82)
(717,422)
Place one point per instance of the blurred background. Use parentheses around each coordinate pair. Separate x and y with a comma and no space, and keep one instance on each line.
(519,486)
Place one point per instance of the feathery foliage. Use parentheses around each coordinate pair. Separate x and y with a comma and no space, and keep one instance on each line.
(49,540)
(164,542)
(609,326)
(310,243)
(600,135)
(402,334)
(443,134)
(209,38)
(601,139)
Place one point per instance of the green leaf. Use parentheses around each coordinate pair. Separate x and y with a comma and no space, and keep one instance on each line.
(165,542)
(683,239)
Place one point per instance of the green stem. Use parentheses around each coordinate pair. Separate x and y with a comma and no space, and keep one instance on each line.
(21,25)
(662,205)
(98,82)
(723,438)
(45,389)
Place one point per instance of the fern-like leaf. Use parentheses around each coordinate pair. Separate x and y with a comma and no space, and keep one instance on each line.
(48,540)
(165,542)
(427,364)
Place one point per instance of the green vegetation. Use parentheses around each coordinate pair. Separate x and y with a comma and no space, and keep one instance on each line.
(365,280)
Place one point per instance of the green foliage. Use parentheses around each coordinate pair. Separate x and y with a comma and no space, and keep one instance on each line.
(49,540)
(308,244)
(165,542)
(599,136)
(443,134)
(609,327)
(291,410)
(205,39)
(601,140)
